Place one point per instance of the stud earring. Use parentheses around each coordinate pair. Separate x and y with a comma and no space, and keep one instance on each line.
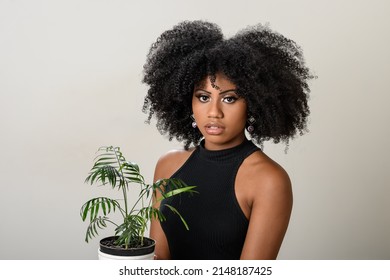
(194,125)
(251,120)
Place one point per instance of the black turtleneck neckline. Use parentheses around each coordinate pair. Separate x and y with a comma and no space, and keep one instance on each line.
(224,155)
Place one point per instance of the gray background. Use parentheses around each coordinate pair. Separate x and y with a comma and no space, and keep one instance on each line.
(70,81)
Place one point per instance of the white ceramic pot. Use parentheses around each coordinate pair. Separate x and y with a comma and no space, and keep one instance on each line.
(104,256)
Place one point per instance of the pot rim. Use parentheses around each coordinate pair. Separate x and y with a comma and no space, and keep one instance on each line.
(117,251)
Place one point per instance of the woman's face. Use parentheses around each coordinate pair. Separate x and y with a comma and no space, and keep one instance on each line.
(219,113)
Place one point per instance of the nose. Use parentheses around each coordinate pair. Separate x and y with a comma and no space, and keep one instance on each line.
(215,109)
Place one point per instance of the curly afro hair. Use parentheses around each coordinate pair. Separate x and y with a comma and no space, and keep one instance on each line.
(268,70)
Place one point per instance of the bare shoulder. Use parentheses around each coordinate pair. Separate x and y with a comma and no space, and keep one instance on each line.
(170,162)
(266,170)
(260,177)
(266,199)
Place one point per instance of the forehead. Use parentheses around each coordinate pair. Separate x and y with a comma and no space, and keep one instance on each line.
(218,81)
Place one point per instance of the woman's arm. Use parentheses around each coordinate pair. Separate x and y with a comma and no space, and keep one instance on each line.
(161,251)
(165,167)
(271,205)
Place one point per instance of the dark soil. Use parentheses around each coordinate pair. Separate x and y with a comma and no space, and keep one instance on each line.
(107,245)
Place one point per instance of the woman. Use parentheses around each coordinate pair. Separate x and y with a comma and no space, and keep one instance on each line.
(206,91)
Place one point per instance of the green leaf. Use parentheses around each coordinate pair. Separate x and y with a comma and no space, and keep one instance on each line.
(92,207)
(96,211)
(174,210)
(174,192)
(104,208)
(92,231)
(84,210)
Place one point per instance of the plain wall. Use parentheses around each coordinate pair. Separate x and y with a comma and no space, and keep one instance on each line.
(70,82)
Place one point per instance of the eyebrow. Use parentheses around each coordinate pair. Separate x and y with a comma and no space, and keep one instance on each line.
(222,92)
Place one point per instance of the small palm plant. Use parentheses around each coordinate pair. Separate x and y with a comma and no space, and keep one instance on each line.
(110,167)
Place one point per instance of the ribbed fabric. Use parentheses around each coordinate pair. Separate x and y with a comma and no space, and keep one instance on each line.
(217,224)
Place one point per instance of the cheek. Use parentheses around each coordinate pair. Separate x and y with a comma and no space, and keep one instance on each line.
(243,117)
(194,105)
(196,112)
(240,115)
(236,121)
(199,109)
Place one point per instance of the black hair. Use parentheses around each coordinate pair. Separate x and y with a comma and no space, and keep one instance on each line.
(268,70)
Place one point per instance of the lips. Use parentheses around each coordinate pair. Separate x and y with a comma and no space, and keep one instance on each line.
(214,128)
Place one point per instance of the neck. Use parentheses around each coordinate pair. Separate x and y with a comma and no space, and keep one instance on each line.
(211,145)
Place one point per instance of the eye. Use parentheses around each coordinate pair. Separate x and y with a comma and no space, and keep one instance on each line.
(229,99)
(203,98)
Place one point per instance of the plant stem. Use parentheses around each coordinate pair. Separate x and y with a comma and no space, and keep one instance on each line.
(124,187)
(139,198)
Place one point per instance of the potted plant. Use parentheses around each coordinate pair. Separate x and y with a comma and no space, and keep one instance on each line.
(128,242)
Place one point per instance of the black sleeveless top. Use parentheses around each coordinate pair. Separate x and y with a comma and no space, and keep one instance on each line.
(217,225)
